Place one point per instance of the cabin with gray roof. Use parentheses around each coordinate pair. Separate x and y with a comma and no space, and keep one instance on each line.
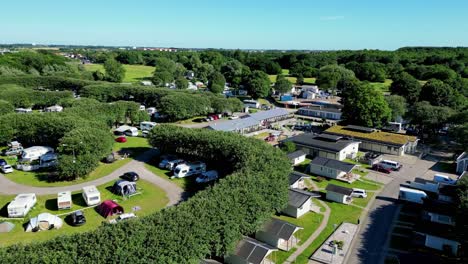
(297,157)
(251,251)
(296,180)
(339,194)
(462,163)
(279,234)
(333,169)
(300,202)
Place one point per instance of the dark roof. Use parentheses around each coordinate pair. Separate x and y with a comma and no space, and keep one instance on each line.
(338,189)
(313,141)
(360,128)
(448,190)
(296,154)
(295,176)
(280,229)
(298,197)
(334,164)
(436,229)
(330,137)
(262,115)
(209,261)
(435,206)
(252,250)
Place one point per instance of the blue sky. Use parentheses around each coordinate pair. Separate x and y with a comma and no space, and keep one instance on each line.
(252,24)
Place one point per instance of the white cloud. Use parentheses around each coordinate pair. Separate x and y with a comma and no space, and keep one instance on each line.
(331,18)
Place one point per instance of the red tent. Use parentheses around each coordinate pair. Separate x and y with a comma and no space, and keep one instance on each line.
(109,208)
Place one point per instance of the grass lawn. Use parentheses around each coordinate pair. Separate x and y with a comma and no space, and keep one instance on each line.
(184,183)
(309,222)
(134,73)
(384,87)
(285,72)
(262,135)
(363,165)
(193,120)
(356,184)
(363,201)
(339,213)
(134,146)
(150,200)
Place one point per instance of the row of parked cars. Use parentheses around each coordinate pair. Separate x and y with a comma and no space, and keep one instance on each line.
(182,169)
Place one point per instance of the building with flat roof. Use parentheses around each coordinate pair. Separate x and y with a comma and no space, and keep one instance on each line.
(326,145)
(331,112)
(376,140)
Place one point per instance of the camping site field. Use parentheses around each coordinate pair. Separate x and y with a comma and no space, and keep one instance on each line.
(148,200)
(133,73)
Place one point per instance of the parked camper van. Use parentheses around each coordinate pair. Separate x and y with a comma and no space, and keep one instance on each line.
(35,153)
(252,104)
(146,125)
(64,200)
(91,195)
(390,164)
(411,195)
(21,205)
(207,176)
(444,179)
(189,169)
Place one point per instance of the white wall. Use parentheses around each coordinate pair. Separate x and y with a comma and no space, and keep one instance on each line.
(298,212)
(299,160)
(439,242)
(324,171)
(336,197)
(349,152)
(298,184)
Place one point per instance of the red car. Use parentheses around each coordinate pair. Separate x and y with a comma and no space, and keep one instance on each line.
(121,139)
(380,168)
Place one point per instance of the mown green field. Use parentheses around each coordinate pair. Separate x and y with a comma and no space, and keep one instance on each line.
(133,146)
(134,73)
(150,199)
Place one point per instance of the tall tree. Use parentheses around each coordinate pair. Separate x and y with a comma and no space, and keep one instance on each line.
(181,83)
(282,85)
(397,104)
(406,85)
(258,84)
(330,76)
(366,106)
(216,83)
(437,93)
(115,72)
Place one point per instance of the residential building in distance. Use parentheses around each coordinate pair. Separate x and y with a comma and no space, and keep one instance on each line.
(330,111)
(278,233)
(376,140)
(326,145)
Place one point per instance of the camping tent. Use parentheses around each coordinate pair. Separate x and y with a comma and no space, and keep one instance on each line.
(44,221)
(123,187)
(6,227)
(109,208)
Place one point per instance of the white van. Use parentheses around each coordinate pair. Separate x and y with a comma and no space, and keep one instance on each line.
(411,195)
(21,205)
(146,125)
(444,179)
(189,169)
(91,195)
(390,164)
(64,200)
(207,176)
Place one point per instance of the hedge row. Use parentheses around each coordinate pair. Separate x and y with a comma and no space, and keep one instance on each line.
(210,223)
(47,82)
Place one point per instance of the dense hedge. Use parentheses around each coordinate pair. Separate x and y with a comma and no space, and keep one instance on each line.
(209,223)
(26,97)
(47,82)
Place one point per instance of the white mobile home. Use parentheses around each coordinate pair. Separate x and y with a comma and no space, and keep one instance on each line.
(300,202)
(128,130)
(279,234)
(146,125)
(189,169)
(297,157)
(91,195)
(64,200)
(21,205)
(35,153)
(411,195)
(251,103)
(339,194)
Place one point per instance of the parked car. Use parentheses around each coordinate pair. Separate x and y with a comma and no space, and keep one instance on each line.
(122,217)
(130,176)
(444,179)
(380,168)
(145,133)
(207,176)
(3,162)
(77,218)
(165,160)
(121,139)
(390,164)
(360,193)
(233,117)
(7,169)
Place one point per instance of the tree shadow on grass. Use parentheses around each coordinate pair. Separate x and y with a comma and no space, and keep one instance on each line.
(133,152)
(51,204)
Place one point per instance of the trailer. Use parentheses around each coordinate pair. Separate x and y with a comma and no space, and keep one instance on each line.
(411,195)
(91,195)
(64,200)
(189,169)
(21,205)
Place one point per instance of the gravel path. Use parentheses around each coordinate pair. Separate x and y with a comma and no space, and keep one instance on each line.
(173,192)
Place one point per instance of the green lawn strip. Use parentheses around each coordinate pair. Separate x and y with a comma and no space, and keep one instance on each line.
(339,213)
(357,184)
(190,121)
(363,201)
(166,174)
(134,146)
(262,135)
(363,165)
(309,222)
(384,86)
(150,200)
(281,256)
(133,73)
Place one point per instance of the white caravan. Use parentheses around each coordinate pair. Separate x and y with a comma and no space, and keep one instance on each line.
(146,125)
(91,195)
(64,200)
(189,169)
(411,195)
(35,153)
(21,205)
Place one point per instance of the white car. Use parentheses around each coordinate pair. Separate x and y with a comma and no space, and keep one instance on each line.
(360,193)
(123,217)
(7,169)
(233,117)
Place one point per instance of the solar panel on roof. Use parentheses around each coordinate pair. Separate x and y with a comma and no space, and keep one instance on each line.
(258,255)
(246,249)
(329,137)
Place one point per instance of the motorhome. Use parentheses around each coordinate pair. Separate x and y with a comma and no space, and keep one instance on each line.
(21,205)
(444,179)
(252,103)
(207,176)
(35,153)
(189,169)
(411,195)
(64,200)
(146,125)
(390,164)
(91,195)
(127,130)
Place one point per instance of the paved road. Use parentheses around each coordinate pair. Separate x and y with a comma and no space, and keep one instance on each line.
(174,193)
(370,246)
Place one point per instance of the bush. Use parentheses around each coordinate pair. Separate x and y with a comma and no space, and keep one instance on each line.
(47,82)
